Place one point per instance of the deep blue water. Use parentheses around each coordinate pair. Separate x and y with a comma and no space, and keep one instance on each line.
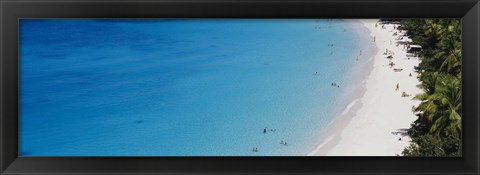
(184,87)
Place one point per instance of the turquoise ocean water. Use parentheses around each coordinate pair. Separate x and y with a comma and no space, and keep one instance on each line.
(184,87)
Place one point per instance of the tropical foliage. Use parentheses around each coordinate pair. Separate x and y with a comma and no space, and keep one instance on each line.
(438,129)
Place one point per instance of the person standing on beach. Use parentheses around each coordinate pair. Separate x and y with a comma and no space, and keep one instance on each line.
(398,87)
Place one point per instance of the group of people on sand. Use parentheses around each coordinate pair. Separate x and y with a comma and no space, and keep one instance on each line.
(389,55)
(335,85)
(392,64)
(390,58)
(388,52)
(383,25)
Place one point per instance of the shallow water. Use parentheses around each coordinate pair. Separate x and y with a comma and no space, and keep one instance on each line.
(184,87)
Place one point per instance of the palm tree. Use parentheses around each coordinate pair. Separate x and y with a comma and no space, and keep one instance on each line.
(429,81)
(427,108)
(441,103)
(433,29)
(449,96)
(448,54)
(440,111)
(451,58)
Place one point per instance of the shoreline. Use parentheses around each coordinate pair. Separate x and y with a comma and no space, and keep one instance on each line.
(379,116)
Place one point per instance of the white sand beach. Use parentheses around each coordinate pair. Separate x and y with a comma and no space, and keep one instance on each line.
(373,124)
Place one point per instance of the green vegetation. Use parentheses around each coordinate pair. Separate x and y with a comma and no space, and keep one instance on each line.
(438,130)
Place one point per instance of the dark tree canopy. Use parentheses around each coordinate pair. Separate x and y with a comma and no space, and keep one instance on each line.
(438,130)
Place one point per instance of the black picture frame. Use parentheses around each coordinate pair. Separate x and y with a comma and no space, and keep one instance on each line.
(12,10)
